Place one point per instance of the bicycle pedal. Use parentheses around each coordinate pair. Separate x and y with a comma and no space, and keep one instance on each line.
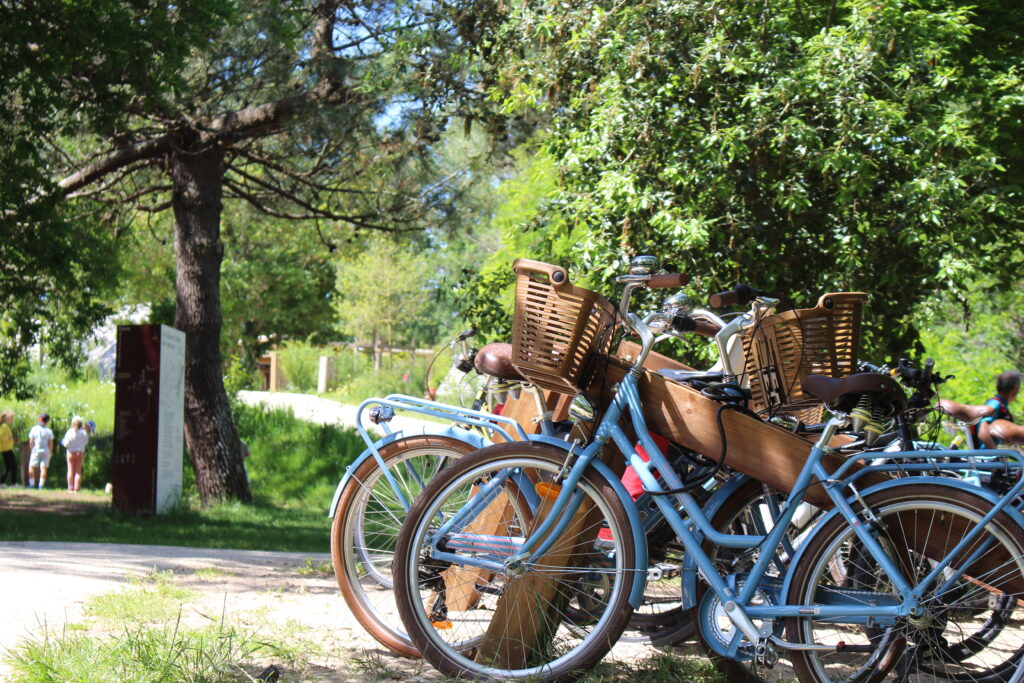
(766,654)
(663,570)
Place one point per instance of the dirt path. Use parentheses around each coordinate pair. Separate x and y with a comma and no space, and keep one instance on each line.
(58,501)
(45,587)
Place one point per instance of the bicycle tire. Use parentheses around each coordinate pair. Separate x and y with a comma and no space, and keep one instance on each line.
(365,581)
(919,523)
(596,579)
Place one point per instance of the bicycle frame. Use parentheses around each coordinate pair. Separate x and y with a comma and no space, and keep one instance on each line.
(695,526)
(486,422)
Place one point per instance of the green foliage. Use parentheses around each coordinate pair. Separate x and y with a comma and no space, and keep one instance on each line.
(399,374)
(976,341)
(531,225)
(300,363)
(383,292)
(277,282)
(69,66)
(355,379)
(49,284)
(156,600)
(294,464)
(139,653)
(242,374)
(802,148)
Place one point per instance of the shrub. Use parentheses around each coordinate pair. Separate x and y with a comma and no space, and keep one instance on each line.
(294,463)
(300,362)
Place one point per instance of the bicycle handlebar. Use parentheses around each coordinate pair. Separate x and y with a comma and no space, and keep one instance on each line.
(465,334)
(740,294)
(667,280)
(684,324)
(706,329)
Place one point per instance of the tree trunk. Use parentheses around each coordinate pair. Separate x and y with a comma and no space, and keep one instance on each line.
(213,445)
(378,352)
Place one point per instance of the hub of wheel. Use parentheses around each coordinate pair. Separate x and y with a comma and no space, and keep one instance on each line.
(921,619)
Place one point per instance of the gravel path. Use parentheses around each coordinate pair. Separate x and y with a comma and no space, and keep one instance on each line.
(323,410)
(46,586)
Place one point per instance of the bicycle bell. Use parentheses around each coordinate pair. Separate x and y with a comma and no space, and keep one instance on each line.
(677,304)
(644,264)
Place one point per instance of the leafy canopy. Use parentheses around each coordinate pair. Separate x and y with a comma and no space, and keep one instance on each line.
(68,66)
(801,147)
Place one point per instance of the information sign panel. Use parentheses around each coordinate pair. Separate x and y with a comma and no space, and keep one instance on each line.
(148,418)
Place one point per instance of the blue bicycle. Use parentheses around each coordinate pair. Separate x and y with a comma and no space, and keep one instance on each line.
(910,578)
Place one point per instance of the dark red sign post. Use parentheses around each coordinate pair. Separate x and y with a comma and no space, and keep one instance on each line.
(148,418)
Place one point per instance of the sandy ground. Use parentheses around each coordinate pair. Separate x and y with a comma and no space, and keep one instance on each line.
(45,586)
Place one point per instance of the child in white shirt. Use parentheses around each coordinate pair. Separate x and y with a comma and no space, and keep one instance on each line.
(74,441)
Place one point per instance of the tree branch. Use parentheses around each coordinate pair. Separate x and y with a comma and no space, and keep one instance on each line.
(120,158)
(361,221)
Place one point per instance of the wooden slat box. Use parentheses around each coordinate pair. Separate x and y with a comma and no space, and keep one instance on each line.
(762,450)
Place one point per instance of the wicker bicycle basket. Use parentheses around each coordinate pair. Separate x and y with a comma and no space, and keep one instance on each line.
(781,349)
(557,328)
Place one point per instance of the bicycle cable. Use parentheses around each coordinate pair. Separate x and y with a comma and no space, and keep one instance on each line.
(730,396)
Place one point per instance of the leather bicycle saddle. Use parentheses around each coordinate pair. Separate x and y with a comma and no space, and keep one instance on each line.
(843,394)
(495,359)
(1002,431)
(962,411)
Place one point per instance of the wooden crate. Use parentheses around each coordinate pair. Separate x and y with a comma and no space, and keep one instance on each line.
(762,450)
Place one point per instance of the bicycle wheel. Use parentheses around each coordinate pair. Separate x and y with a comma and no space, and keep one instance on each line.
(365,530)
(971,628)
(551,620)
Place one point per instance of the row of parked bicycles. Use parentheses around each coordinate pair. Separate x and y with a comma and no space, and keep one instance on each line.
(784,503)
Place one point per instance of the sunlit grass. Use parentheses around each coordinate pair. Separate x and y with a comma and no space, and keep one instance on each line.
(139,634)
(262,526)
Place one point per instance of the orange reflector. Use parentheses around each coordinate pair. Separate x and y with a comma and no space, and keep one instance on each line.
(547,491)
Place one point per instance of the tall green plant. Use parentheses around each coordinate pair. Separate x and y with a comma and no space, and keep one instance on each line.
(383,292)
(975,340)
(802,147)
(294,464)
(300,362)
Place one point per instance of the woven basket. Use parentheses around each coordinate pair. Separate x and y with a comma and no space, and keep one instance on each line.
(782,349)
(557,328)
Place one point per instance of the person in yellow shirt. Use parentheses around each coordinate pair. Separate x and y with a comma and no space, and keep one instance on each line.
(10,466)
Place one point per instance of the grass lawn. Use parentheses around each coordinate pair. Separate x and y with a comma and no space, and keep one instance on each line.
(88,517)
